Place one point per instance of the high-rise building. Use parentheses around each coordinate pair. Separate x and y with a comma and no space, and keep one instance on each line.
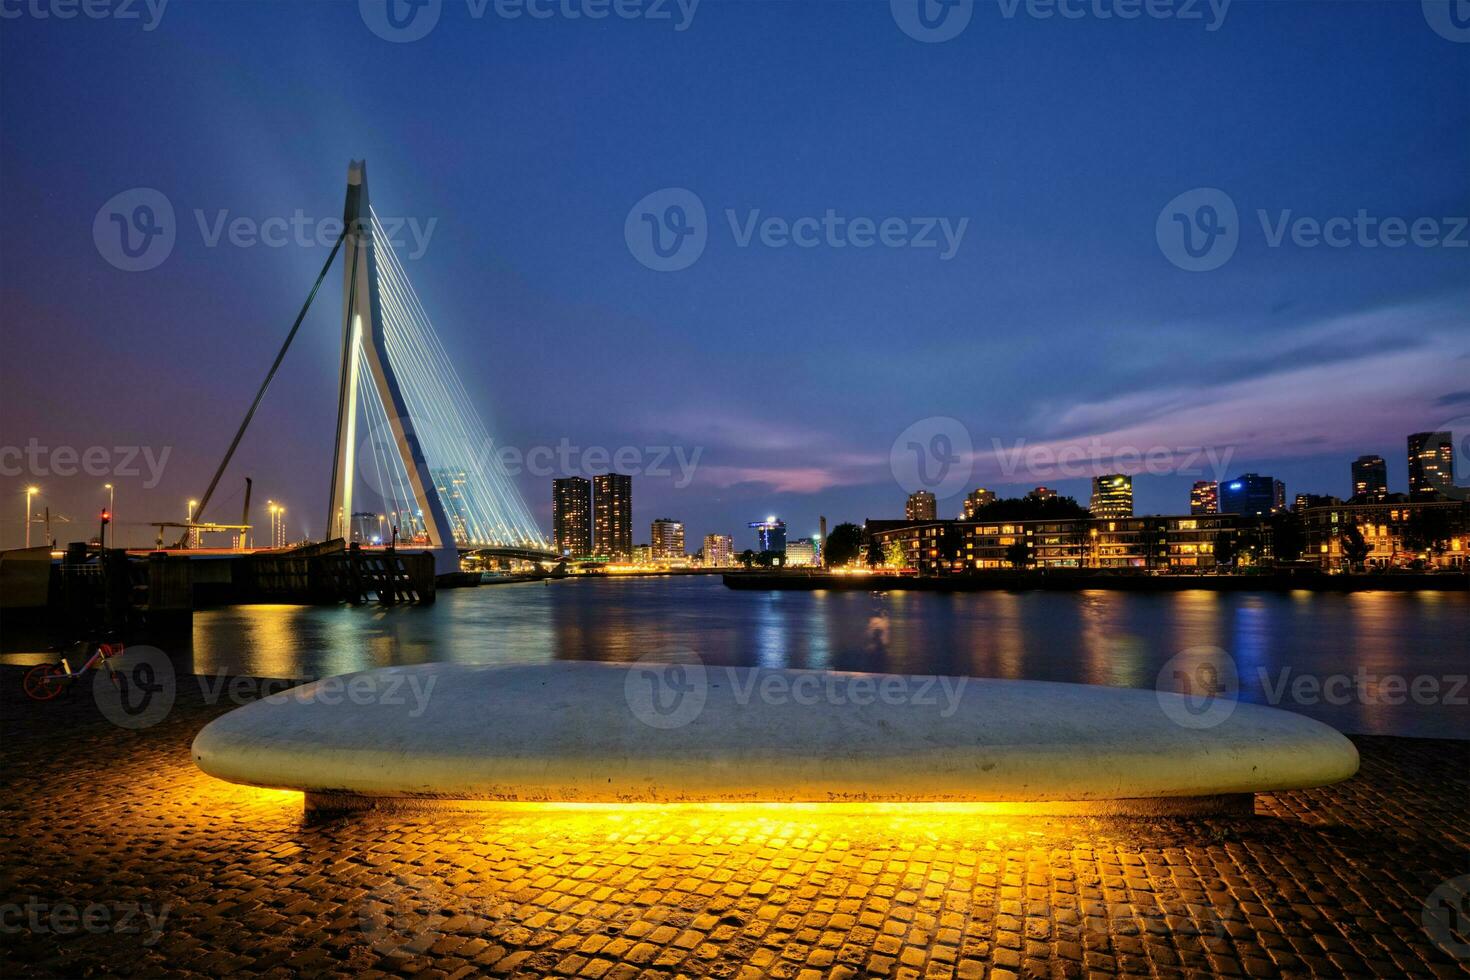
(571,516)
(921,506)
(1305,500)
(1252,495)
(801,551)
(1112,496)
(770,535)
(1370,480)
(719,550)
(1204,497)
(612,509)
(1042,493)
(976,499)
(667,537)
(1431,465)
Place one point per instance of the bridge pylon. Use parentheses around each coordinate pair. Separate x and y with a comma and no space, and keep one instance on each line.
(365,349)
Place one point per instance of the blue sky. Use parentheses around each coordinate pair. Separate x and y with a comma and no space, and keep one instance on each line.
(1059,320)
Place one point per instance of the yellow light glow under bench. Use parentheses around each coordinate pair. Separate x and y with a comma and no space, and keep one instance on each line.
(437,735)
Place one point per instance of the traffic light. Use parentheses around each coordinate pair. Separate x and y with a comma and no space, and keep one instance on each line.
(106,517)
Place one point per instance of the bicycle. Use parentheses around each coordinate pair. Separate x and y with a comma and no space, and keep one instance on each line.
(45,682)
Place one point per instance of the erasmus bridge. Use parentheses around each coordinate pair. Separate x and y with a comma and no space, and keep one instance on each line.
(409,440)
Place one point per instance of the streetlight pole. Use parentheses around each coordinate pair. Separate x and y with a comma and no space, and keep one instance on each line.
(30,492)
(110,510)
(193,534)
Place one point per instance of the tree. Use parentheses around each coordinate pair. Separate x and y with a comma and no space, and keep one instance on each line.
(1355,549)
(767,558)
(893,555)
(1288,536)
(1031,509)
(1018,554)
(875,552)
(1428,530)
(842,546)
(1225,549)
(747,557)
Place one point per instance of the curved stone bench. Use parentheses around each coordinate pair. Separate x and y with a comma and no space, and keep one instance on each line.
(612,733)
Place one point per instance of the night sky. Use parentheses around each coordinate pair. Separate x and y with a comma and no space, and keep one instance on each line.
(1058,320)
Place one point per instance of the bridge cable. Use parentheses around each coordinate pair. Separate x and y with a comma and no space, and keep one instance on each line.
(234,443)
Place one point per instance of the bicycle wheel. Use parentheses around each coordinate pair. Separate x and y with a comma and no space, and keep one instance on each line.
(45,681)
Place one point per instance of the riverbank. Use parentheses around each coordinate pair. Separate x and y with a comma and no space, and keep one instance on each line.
(1071,580)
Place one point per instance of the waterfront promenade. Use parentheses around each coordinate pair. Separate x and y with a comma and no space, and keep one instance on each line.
(215,879)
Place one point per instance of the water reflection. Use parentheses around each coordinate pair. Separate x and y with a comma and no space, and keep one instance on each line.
(1115,638)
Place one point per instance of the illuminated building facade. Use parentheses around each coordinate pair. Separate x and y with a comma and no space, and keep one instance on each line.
(613,515)
(1305,500)
(770,535)
(1370,480)
(719,550)
(921,506)
(1204,498)
(571,516)
(801,552)
(976,499)
(1252,495)
(667,537)
(1042,493)
(1112,496)
(1431,465)
(1397,534)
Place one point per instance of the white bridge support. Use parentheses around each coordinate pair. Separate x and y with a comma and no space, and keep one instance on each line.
(364,349)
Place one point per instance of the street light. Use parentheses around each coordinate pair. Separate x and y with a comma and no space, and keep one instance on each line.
(270,506)
(30,492)
(111,511)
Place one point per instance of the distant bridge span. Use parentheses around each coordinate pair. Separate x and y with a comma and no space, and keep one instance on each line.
(511,551)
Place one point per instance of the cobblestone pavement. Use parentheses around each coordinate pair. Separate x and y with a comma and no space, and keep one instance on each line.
(119,857)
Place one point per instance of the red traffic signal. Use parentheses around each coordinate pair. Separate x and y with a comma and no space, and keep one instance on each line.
(107,517)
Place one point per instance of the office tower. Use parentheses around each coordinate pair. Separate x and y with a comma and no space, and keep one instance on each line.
(1112,496)
(719,550)
(1251,495)
(1431,465)
(571,516)
(801,551)
(667,537)
(770,535)
(975,499)
(1204,497)
(613,515)
(921,506)
(1042,493)
(1370,480)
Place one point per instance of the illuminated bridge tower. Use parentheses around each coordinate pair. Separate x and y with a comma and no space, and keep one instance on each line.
(364,348)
